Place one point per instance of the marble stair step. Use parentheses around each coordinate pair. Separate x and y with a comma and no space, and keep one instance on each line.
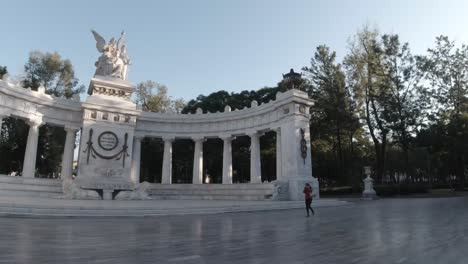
(209,197)
(30,181)
(211,192)
(29,193)
(31,211)
(30,187)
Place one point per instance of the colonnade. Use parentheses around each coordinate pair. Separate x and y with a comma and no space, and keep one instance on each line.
(29,164)
(30,155)
(197,175)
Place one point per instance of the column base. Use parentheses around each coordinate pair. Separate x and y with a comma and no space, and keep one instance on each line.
(369,195)
(107,194)
(292,189)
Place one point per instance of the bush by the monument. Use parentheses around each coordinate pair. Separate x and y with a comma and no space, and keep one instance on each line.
(332,191)
(400,189)
(385,190)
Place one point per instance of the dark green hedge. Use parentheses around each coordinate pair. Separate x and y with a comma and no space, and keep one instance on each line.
(381,190)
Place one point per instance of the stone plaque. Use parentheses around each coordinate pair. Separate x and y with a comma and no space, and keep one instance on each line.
(108,140)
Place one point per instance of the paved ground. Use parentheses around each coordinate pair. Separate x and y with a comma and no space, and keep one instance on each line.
(384,231)
(36,207)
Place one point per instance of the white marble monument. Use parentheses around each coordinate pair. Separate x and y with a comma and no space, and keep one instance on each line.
(112,128)
(109,120)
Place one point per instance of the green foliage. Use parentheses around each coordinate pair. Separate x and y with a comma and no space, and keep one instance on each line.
(152,150)
(402,189)
(182,160)
(14,135)
(366,79)
(213,149)
(153,97)
(334,121)
(445,67)
(58,78)
(56,75)
(50,151)
(218,100)
(3,71)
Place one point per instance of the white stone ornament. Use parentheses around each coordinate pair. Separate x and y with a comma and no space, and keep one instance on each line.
(114,60)
(369,192)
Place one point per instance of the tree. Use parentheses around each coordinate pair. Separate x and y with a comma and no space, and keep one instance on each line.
(333,115)
(58,78)
(3,71)
(216,102)
(13,138)
(445,67)
(406,100)
(365,75)
(49,70)
(153,97)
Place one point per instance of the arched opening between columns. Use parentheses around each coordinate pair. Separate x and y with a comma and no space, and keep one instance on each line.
(50,148)
(182,161)
(268,154)
(152,150)
(213,160)
(49,151)
(13,139)
(241,159)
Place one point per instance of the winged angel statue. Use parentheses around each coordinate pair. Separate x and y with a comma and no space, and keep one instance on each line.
(114,60)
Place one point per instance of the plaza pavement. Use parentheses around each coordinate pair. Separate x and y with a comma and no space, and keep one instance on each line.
(18,206)
(419,230)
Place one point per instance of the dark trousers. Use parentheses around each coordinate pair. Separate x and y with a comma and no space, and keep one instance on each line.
(308,202)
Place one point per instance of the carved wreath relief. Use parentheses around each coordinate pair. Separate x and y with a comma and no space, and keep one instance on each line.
(107,141)
(303,145)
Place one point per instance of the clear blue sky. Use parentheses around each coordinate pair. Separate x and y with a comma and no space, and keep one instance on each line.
(198,47)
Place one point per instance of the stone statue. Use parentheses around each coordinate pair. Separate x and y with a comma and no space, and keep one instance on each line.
(114,60)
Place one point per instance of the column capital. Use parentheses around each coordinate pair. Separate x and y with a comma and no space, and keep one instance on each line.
(71,129)
(168,139)
(138,137)
(227,138)
(198,139)
(255,133)
(33,122)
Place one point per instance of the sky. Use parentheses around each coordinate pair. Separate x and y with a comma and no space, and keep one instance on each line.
(203,46)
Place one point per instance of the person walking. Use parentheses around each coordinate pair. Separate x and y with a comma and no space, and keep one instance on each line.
(308,198)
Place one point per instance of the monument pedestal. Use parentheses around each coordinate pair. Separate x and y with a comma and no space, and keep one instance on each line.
(369,192)
(109,122)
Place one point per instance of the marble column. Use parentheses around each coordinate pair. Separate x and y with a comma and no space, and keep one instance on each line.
(227,160)
(29,164)
(198,161)
(167,161)
(279,160)
(136,159)
(69,148)
(255,166)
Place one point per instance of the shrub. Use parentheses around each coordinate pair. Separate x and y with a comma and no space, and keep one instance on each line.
(402,189)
